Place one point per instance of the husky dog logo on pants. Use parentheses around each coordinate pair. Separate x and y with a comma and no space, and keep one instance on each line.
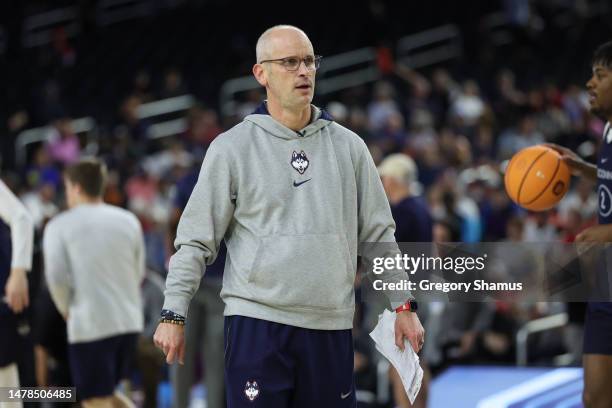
(251,390)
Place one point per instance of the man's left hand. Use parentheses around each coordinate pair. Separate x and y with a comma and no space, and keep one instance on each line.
(16,290)
(597,233)
(408,325)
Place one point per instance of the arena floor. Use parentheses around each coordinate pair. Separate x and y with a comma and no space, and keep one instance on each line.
(507,387)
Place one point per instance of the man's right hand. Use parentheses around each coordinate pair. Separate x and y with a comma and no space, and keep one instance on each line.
(17,290)
(170,338)
(577,165)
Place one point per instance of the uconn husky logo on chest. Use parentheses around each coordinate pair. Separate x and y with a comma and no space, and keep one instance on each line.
(299,161)
(251,390)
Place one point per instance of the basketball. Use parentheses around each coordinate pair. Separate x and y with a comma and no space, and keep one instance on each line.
(537,178)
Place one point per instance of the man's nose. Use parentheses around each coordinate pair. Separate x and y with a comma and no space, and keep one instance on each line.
(303,69)
(590,85)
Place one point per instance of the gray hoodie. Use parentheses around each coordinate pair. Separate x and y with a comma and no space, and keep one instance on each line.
(292,208)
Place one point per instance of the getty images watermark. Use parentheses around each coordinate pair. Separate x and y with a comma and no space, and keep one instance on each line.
(458,265)
(507,271)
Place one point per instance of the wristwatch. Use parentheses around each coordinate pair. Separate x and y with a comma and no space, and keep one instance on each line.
(409,306)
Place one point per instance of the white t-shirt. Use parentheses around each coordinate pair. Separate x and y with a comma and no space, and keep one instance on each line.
(15,215)
(94,264)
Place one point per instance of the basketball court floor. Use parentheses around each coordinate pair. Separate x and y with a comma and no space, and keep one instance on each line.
(507,387)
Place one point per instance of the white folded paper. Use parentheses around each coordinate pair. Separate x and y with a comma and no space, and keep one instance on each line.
(405,362)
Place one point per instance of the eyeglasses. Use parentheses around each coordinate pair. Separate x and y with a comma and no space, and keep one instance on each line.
(293,63)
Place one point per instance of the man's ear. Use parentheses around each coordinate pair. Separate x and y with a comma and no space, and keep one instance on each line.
(260,74)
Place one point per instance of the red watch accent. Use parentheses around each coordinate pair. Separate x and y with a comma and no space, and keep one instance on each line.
(409,306)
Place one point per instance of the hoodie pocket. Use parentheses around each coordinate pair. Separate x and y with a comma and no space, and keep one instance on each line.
(310,271)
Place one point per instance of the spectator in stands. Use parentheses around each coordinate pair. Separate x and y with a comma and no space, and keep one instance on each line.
(514,139)
(444,231)
(173,84)
(114,194)
(339,112)
(468,106)
(207,129)
(419,100)
(549,119)
(382,107)
(450,202)
(455,148)
(444,207)
(41,204)
(149,200)
(443,92)
(573,224)
(575,105)
(413,221)
(392,136)
(483,143)
(142,86)
(253,99)
(465,325)
(63,144)
(358,123)
(508,100)
(43,170)
(581,198)
(135,128)
(202,128)
(422,133)
(141,190)
(48,104)
(539,229)
(16,122)
(496,209)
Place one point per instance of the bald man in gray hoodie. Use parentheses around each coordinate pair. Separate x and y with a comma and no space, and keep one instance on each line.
(293,194)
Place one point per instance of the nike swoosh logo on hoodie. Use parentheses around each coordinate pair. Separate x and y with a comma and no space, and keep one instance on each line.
(296,184)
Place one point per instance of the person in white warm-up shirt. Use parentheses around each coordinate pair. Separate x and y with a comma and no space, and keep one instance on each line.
(94,264)
(16,242)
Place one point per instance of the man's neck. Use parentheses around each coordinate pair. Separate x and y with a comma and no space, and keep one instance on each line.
(294,120)
(399,195)
(87,200)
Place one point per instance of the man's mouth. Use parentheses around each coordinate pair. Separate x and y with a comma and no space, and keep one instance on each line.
(303,86)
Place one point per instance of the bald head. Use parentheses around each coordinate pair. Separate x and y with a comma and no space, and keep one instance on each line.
(288,90)
(273,39)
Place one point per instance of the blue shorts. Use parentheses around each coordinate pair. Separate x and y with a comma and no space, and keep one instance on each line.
(273,365)
(598,328)
(98,366)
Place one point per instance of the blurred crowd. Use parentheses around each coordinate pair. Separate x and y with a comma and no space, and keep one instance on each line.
(458,134)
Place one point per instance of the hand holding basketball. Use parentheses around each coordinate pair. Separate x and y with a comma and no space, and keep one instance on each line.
(575,162)
(538,177)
